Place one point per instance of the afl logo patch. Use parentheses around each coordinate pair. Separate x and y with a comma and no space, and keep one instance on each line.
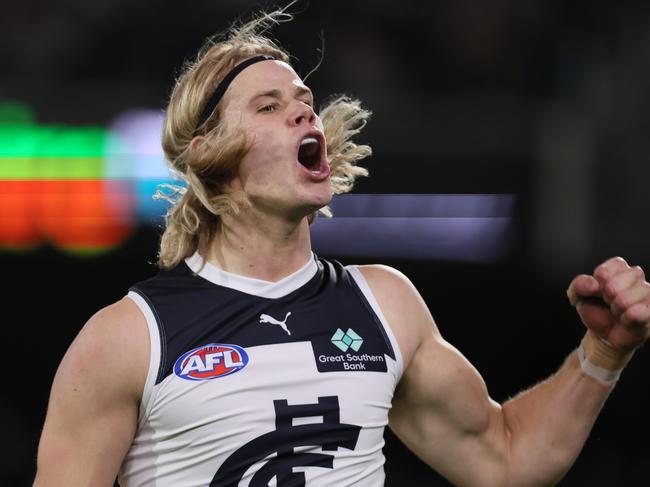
(211,361)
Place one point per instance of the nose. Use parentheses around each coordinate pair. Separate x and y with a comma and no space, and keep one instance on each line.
(303,113)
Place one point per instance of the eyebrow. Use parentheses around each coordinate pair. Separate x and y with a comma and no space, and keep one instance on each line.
(298,91)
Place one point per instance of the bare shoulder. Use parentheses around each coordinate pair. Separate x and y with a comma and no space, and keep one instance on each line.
(401,303)
(381,275)
(396,294)
(92,414)
(112,348)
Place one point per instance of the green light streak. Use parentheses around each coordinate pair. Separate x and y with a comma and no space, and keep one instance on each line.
(51,168)
(51,141)
(31,151)
(53,152)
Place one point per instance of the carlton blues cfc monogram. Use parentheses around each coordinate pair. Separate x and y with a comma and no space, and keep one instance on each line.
(329,434)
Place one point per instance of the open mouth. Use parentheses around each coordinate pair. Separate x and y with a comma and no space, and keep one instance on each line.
(309,153)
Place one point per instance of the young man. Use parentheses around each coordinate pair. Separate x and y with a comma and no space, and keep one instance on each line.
(248,360)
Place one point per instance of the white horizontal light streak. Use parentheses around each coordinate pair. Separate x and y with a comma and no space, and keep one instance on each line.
(470,227)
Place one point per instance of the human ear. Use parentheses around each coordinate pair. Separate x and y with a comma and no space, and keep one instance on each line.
(198,143)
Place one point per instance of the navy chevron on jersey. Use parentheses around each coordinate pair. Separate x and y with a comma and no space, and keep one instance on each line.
(253,383)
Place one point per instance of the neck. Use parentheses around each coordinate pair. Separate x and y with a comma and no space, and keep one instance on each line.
(259,246)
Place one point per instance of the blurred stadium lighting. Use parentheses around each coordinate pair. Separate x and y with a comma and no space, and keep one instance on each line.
(83,189)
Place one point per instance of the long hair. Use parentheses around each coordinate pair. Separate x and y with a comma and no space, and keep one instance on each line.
(196,207)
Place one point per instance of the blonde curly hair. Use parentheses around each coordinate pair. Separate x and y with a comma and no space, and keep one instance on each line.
(193,217)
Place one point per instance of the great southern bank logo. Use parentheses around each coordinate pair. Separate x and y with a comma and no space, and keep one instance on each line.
(211,361)
(346,340)
(349,342)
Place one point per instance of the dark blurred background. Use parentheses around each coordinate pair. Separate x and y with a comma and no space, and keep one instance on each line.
(547,101)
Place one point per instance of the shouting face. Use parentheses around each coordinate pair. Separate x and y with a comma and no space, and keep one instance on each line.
(285,172)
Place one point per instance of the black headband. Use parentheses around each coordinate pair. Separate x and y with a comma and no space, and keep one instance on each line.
(225,83)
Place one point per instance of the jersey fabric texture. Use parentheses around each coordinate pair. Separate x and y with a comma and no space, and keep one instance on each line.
(254,383)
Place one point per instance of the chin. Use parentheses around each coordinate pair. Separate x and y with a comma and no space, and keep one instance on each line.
(314,205)
(322,199)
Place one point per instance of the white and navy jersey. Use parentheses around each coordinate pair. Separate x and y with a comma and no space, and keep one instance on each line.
(253,383)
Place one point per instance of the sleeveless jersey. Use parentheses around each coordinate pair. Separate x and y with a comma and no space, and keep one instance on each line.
(254,383)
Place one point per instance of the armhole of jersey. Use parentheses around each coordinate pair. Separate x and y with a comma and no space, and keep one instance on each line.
(154,353)
(370,297)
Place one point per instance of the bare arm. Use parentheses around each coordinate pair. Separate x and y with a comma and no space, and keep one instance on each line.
(93,408)
(443,413)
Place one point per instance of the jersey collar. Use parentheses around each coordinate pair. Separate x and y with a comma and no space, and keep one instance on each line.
(250,285)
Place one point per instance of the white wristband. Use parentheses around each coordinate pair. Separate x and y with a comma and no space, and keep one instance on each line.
(603,375)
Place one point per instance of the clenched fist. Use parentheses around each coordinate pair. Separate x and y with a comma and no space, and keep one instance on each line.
(614,304)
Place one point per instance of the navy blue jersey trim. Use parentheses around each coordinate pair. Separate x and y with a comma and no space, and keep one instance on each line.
(376,319)
(162,338)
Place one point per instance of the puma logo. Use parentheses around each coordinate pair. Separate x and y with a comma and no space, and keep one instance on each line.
(264,318)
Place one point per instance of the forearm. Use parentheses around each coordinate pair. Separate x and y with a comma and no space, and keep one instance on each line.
(547,425)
